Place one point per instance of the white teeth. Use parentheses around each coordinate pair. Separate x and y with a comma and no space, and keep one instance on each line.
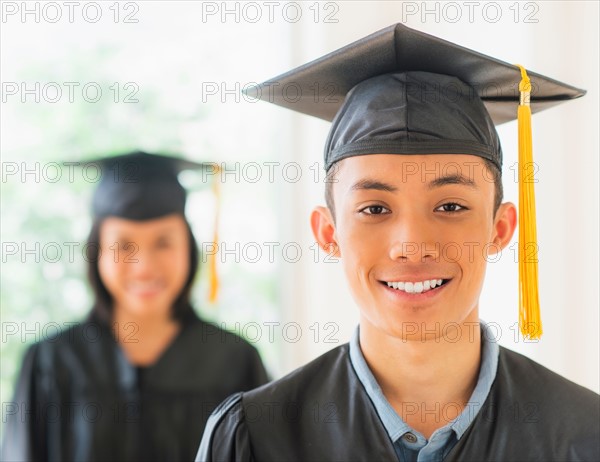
(415,287)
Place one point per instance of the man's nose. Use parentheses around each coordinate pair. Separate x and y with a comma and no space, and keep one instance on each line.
(415,238)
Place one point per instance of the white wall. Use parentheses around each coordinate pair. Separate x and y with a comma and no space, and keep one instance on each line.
(563,44)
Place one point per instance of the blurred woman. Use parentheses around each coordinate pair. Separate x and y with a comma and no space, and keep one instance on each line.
(138,379)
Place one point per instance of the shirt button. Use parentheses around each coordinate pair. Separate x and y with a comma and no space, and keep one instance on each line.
(410,438)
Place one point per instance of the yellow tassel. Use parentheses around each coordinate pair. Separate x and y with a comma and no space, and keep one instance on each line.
(530,322)
(212,258)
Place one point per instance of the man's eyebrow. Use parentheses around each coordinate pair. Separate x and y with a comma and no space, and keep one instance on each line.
(456,178)
(368,183)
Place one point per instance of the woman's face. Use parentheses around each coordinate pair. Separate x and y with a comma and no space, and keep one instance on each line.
(144,264)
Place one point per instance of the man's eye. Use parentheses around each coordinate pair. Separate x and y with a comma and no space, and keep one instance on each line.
(374,210)
(451,207)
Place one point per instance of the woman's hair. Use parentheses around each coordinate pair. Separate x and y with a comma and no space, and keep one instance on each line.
(103,302)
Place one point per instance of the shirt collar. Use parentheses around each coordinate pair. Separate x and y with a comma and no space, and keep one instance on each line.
(393,423)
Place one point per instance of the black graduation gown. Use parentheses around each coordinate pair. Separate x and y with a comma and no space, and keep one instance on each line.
(321,412)
(79,399)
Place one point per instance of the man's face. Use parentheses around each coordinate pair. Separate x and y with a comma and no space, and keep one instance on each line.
(413,233)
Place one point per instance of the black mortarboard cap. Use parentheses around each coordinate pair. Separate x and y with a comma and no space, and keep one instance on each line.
(141,186)
(406,92)
(401,91)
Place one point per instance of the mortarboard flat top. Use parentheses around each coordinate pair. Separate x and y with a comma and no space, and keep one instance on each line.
(141,186)
(401,91)
(318,88)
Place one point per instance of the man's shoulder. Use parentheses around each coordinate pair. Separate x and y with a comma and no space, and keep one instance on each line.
(530,403)
(531,399)
(533,380)
(317,412)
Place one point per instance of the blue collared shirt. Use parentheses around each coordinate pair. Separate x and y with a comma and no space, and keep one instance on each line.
(410,445)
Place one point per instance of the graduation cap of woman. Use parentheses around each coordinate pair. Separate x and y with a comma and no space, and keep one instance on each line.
(401,91)
(141,186)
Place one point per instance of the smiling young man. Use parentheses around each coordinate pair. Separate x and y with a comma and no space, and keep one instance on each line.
(414,209)
(402,245)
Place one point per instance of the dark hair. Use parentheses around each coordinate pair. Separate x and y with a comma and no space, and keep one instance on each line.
(492,168)
(103,302)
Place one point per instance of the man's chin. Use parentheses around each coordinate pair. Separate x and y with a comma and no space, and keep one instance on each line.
(420,327)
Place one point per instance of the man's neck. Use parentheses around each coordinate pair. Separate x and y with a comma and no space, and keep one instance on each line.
(427,381)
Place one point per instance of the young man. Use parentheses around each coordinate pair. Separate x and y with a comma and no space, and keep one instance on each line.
(414,208)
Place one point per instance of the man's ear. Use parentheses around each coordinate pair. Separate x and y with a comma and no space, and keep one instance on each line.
(323,228)
(505,224)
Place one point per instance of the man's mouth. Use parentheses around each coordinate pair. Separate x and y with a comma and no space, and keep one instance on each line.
(416,287)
